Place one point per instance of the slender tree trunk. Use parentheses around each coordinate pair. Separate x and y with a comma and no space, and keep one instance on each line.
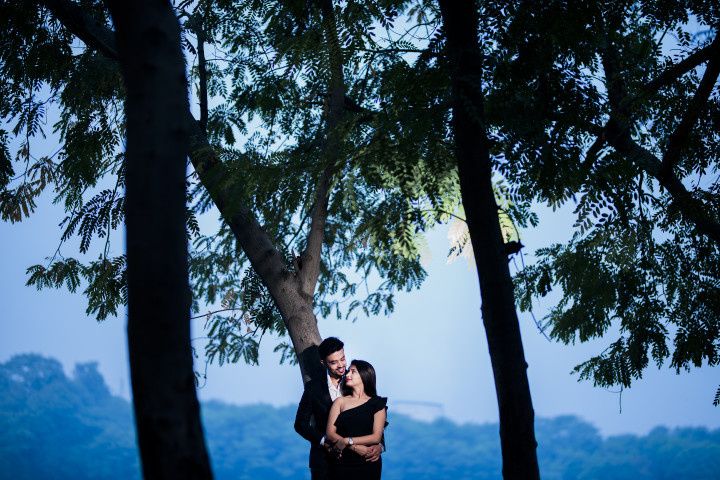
(517,431)
(292,292)
(167,412)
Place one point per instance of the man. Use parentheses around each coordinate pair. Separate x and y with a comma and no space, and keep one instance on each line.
(312,413)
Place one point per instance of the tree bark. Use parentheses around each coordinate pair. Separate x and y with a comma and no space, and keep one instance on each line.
(167,412)
(292,292)
(517,431)
(294,305)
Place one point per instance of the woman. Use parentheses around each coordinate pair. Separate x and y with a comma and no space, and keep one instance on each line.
(356,420)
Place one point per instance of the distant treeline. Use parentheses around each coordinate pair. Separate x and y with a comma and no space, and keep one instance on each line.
(52,426)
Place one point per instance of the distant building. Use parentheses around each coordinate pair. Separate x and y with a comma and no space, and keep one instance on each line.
(418,410)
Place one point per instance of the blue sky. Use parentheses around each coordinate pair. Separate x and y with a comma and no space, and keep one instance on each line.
(432,348)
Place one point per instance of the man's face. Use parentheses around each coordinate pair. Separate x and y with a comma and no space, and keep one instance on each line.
(335,363)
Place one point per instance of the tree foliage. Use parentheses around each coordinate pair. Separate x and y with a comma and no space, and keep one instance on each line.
(611,108)
(266,75)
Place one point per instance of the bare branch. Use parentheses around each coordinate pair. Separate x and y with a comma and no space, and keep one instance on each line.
(388,51)
(214,312)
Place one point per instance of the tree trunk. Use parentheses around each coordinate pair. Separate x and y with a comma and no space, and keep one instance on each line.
(294,305)
(167,412)
(517,431)
(291,291)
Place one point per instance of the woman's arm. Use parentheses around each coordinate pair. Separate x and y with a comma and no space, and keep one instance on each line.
(331,435)
(378,427)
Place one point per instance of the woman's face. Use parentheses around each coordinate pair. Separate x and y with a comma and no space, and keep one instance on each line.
(352,379)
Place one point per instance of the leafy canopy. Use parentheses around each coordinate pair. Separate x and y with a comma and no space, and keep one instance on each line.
(266,69)
(607,107)
(595,106)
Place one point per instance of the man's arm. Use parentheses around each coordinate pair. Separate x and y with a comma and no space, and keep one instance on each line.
(370,453)
(303,420)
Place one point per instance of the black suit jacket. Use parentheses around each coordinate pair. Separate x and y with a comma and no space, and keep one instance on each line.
(311,418)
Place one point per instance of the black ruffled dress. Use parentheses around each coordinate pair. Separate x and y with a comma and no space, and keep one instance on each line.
(356,422)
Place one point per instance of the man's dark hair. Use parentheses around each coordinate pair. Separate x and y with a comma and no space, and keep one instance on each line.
(329,346)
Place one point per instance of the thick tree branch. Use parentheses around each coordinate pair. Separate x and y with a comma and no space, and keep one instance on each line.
(256,243)
(674,72)
(264,257)
(353,107)
(266,260)
(93,33)
(616,93)
(610,24)
(664,79)
(592,154)
(336,112)
(617,132)
(678,139)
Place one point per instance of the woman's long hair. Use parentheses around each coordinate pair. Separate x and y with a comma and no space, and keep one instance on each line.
(367,375)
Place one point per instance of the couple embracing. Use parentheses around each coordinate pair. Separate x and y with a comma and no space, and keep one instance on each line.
(343,418)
